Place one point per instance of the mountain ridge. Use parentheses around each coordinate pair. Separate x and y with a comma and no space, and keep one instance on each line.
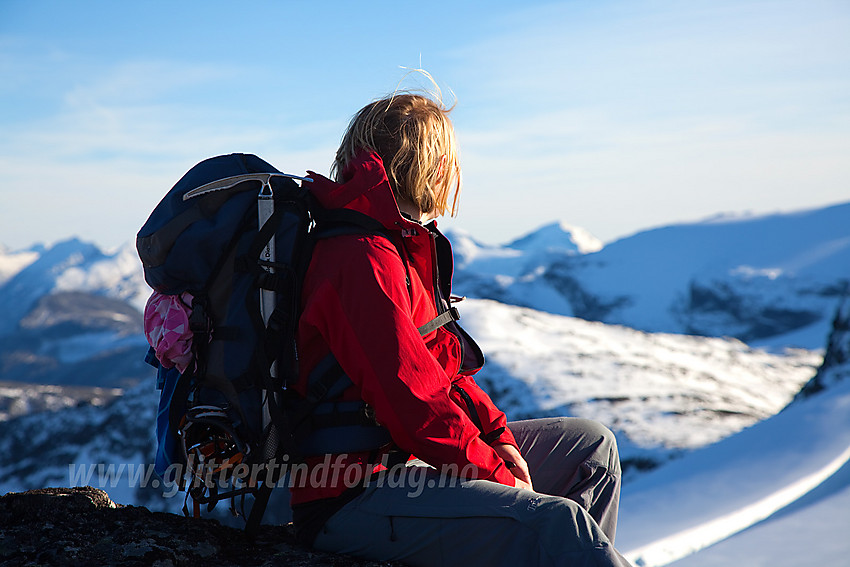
(772,281)
(769,280)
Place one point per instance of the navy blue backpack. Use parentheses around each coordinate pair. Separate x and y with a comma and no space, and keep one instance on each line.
(234,232)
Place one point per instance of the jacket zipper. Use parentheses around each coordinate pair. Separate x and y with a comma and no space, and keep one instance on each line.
(438,295)
(405,259)
(488,438)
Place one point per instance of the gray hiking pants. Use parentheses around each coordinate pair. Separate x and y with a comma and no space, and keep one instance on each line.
(419,517)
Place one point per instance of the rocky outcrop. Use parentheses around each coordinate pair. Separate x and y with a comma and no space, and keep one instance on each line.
(836,361)
(82,526)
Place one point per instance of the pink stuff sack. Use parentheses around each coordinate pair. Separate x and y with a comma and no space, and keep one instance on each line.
(167,329)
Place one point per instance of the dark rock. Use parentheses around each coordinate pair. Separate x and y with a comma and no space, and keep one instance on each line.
(82,526)
(836,361)
(745,315)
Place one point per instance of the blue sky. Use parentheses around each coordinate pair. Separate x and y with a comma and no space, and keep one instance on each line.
(610,115)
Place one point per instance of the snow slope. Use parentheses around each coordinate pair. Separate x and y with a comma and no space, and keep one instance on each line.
(810,531)
(774,494)
(714,493)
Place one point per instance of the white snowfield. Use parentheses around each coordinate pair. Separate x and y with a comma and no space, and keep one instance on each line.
(783,486)
(662,391)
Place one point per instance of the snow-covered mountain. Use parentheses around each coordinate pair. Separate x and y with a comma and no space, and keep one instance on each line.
(558,236)
(13,261)
(771,280)
(70,314)
(70,265)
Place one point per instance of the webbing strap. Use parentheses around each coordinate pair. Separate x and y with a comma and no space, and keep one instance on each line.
(327,220)
(261,497)
(258,509)
(358,417)
(451,314)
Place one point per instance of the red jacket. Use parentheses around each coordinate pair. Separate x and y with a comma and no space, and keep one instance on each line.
(358,304)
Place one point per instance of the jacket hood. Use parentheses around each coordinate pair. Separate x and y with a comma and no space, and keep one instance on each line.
(366,189)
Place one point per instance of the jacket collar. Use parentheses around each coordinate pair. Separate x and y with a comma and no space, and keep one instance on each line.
(366,189)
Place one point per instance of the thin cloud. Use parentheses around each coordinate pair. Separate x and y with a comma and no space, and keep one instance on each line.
(119,138)
(618,116)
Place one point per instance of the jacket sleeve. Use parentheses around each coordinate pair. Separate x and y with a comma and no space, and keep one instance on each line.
(361,307)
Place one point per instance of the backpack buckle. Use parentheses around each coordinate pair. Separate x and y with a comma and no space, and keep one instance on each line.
(199,323)
(369,412)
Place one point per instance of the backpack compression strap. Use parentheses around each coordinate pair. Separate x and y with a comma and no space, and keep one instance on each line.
(449,315)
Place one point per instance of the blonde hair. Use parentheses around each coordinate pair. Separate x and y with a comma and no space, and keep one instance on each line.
(415,139)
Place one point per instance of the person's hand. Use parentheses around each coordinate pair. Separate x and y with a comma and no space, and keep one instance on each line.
(515,463)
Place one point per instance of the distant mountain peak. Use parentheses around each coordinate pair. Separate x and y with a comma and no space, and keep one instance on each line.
(68,266)
(73,246)
(558,235)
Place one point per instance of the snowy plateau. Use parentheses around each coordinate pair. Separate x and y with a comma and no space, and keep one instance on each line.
(702,345)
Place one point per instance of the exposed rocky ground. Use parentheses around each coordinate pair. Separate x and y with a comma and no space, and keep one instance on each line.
(82,527)
(836,361)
